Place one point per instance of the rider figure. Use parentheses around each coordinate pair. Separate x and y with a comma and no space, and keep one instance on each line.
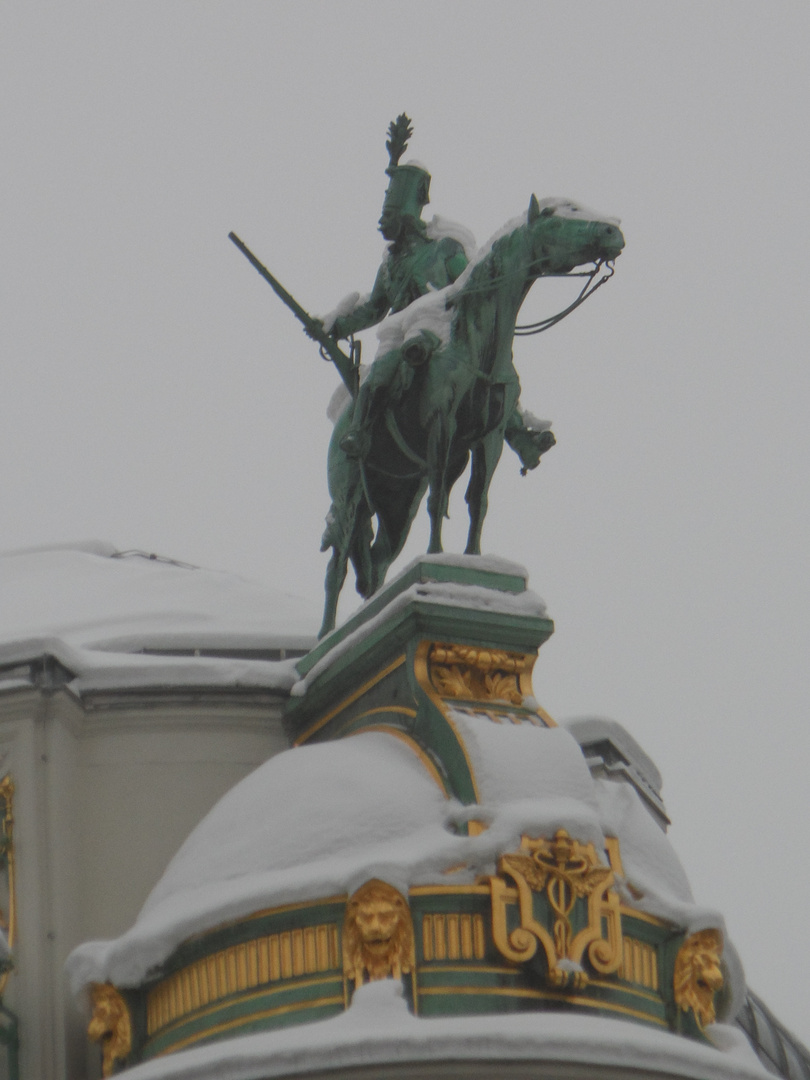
(415,264)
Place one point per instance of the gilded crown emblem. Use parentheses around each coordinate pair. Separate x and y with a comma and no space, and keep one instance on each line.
(551,877)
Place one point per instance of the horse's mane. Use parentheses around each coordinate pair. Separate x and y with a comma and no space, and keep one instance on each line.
(434,311)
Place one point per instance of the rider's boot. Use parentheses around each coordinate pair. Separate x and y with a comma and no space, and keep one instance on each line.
(528,441)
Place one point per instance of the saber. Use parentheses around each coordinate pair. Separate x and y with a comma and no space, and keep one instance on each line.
(346,365)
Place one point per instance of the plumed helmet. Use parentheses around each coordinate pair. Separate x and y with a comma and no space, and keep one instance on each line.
(408,189)
(408,185)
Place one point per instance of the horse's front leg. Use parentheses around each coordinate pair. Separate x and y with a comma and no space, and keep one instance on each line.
(381,555)
(436,518)
(485,458)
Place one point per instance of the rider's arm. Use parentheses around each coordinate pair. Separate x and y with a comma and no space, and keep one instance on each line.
(366,314)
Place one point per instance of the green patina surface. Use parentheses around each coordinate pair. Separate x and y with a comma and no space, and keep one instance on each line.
(445,391)
(422,572)
(446,396)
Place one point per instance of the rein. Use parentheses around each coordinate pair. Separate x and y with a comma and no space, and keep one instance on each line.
(588,289)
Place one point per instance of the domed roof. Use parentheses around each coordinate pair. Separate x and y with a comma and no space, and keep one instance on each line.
(318,820)
(121,617)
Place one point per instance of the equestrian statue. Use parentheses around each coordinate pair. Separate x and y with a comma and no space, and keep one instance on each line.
(443,389)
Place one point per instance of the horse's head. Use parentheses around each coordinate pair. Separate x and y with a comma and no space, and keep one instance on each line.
(565,234)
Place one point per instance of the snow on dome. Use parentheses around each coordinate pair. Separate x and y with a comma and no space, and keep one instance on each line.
(319,820)
(311,822)
(116,616)
(307,806)
(512,758)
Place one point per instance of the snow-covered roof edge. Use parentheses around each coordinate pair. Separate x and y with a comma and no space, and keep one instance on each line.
(377,1029)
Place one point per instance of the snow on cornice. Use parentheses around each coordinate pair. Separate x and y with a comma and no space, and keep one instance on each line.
(378,1030)
(134,619)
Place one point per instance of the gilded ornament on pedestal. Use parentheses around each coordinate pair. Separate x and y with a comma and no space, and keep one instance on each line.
(111,1026)
(377,934)
(563,872)
(698,975)
(468,673)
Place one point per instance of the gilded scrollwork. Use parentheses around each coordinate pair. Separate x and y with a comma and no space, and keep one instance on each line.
(378,938)
(563,872)
(698,975)
(468,673)
(110,1026)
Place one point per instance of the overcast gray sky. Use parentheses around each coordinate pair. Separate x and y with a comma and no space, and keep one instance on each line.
(158,395)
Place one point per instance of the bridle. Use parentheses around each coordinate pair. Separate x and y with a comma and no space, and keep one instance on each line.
(588,289)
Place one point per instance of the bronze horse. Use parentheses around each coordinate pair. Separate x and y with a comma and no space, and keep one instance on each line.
(457,387)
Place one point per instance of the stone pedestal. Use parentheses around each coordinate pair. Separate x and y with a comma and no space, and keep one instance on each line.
(450,635)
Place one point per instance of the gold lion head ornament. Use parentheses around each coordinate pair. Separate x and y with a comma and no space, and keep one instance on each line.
(698,975)
(377,934)
(110,1026)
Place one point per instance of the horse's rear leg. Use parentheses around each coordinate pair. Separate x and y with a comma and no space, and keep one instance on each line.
(335,576)
(396,510)
(360,555)
(439,494)
(382,556)
(477,496)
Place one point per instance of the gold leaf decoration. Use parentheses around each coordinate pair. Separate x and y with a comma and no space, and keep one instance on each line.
(698,975)
(566,872)
(110,1025)
(377,934)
